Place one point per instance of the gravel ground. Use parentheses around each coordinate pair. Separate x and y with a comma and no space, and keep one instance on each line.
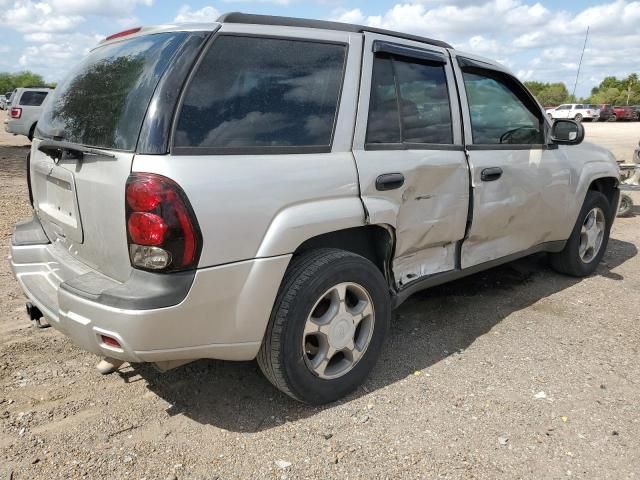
(517,372)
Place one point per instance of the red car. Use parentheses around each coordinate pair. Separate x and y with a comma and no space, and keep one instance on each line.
(624,113)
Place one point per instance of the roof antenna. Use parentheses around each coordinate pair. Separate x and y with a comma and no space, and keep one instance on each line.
(575,85)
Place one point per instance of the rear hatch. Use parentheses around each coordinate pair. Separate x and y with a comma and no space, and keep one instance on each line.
(99,110)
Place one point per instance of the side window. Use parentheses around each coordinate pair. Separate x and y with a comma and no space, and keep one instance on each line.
(383,125)
(409,102)
(500,111)
(259,93)
(579,106)
(32,99)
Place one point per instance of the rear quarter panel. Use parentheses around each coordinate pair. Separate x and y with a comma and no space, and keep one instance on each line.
(252,206)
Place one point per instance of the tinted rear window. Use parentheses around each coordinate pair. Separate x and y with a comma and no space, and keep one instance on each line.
(33,99)
(259,93)
(103,101)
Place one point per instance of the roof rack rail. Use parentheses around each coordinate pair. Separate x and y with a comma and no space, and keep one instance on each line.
(249,18)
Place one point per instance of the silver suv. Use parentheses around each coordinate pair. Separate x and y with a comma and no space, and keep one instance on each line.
(271,188)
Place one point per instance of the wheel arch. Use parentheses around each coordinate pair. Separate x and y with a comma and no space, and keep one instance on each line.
(374,242)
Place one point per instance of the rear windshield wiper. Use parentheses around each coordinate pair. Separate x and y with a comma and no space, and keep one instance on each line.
(57,150)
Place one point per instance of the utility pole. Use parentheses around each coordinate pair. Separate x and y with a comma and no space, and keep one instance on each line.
(575,85)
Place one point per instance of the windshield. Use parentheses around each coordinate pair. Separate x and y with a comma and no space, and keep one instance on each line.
(103,100)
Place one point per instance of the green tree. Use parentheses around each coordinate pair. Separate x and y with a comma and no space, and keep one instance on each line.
(549,93)
(616,91)
(11,81)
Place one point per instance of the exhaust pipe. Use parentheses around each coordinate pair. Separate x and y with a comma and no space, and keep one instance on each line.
(35,315)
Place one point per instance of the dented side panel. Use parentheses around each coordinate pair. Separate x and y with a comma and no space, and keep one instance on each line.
(429,211)
(524,208)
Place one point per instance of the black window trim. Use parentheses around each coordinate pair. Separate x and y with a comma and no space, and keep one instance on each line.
(259,150)
(381,46)
(408,52)
(504,76)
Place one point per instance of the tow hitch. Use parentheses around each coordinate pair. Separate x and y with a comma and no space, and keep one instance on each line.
(35,315)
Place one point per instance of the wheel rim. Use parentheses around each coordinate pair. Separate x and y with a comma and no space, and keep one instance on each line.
(591,235)
(625,205)
(338,330)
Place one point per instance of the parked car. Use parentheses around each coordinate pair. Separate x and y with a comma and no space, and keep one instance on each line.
(205,191)
(575,111)
(624,113)
(5,100)
(605,112)
(26,107)
(636,111)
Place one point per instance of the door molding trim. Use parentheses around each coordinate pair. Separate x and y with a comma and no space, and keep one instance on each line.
(439,278)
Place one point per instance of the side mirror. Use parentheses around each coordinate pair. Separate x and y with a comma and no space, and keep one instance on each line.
(567,132)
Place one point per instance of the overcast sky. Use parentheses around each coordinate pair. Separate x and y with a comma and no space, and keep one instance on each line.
(537,40)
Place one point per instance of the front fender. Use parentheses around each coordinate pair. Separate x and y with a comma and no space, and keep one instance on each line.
(600,164)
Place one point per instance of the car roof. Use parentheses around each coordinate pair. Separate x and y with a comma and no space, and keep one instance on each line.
(252,19)
(273,20)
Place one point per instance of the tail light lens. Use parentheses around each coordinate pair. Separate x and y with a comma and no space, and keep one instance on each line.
(162,230)
(15,112)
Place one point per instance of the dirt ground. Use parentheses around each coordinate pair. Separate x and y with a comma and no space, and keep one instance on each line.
(517,372)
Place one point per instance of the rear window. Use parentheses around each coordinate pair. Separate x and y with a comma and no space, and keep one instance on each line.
(103,101)
(33,99)
(252,94)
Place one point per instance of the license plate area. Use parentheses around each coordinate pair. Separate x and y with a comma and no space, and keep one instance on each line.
(57,201)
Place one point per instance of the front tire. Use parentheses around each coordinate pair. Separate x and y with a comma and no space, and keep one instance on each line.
(578,118)
(588,241)
(327,326)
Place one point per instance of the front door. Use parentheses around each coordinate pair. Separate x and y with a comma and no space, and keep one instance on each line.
(408,148)
(520,184)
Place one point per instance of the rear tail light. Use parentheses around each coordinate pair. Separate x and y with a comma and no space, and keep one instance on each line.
(15,112)
(162,229)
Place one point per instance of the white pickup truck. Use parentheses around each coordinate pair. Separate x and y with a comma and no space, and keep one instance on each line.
(574,111)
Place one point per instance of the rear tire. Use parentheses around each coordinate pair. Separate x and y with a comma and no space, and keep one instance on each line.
(588,241)
(32,132)
(578,117)
(292,345)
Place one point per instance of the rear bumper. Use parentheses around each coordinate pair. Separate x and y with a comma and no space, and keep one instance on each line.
(222,314)
(16,127)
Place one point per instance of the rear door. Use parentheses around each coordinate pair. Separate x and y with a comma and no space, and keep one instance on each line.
(102,105)
(520,184)
(408,149)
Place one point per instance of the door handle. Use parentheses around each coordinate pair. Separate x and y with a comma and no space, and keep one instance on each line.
(491,174)
(389,181)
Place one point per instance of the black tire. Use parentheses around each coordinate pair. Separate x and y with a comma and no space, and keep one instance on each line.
(626,205)
(282,357)
(568,261)
(32,131)
(578,117)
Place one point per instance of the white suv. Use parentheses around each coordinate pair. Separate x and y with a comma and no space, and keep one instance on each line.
(574,111)
(25,109)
